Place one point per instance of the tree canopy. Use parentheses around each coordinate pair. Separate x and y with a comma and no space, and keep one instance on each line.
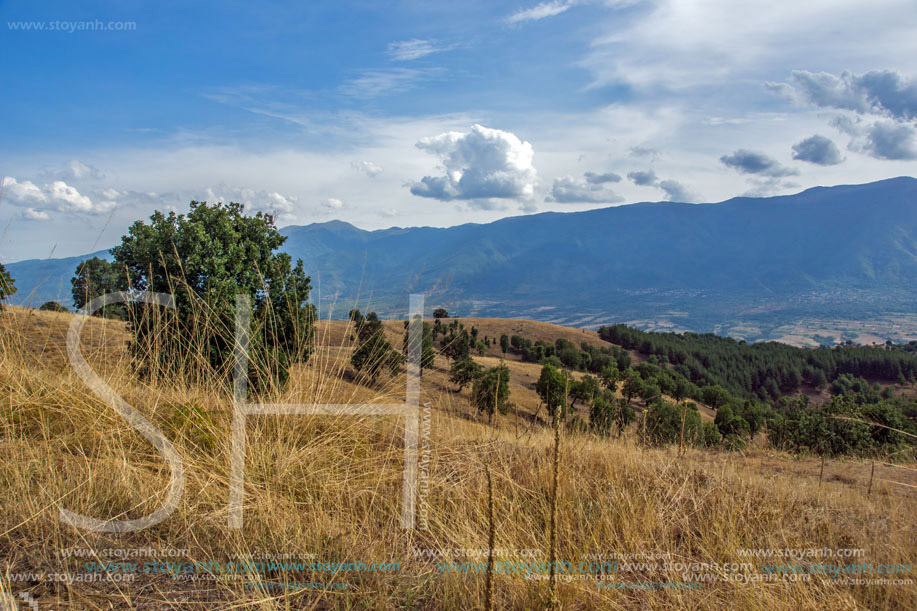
(205,259)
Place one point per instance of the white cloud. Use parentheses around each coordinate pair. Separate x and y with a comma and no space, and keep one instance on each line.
(367,167)
(22,192)
(879,92)
(332,203)
(680,44)
(540,11)
(57,195)
(35,215)
(407,50)
(388,212)
(68,197)
(482,163)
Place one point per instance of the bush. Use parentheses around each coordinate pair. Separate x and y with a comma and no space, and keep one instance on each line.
(52,306)
(663,423)
(490,391)
(373,354)
(712,437)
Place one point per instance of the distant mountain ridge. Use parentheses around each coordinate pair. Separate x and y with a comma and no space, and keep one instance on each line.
(844,250)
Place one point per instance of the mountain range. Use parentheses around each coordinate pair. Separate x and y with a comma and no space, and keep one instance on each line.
(846,251)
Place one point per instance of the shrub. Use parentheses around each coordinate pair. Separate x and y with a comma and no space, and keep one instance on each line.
(52,306)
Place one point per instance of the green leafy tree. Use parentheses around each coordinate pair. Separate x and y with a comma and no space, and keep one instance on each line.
(96,277)
(7,285)
(633,385)
(490,391)
(610,377)
(440,313)
(715,396)
(584,390)
(649,391)
(373,353)
(205,258)
(464,372)
(456,345)
(504,343)
(427,353)
(553,387)
(729,424)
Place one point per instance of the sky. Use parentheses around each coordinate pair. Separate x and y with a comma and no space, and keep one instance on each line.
(437,113)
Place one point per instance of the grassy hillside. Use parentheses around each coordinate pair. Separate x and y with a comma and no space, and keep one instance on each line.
(328,489)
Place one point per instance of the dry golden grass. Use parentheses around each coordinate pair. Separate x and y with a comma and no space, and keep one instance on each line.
(332,487)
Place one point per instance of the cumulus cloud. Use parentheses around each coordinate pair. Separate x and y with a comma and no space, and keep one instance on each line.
(598,179)
(882,139)
(568,190)
(540,11)
(332,203)
(56,195)
(877,93)
(22,192)
(880,92)
(677,192)
(366,167)
(388,212)
(643,178)
(35,215)
(407,50)
(751,162)
(480,164)
(891,140)
(817,149)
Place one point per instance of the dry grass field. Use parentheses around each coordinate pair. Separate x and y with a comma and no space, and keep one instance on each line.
(328,490)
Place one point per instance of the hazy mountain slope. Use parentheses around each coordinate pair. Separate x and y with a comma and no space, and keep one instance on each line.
(845,250)
(41,280)
(860,240)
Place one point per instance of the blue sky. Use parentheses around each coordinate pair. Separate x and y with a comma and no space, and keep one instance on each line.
(428,113)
